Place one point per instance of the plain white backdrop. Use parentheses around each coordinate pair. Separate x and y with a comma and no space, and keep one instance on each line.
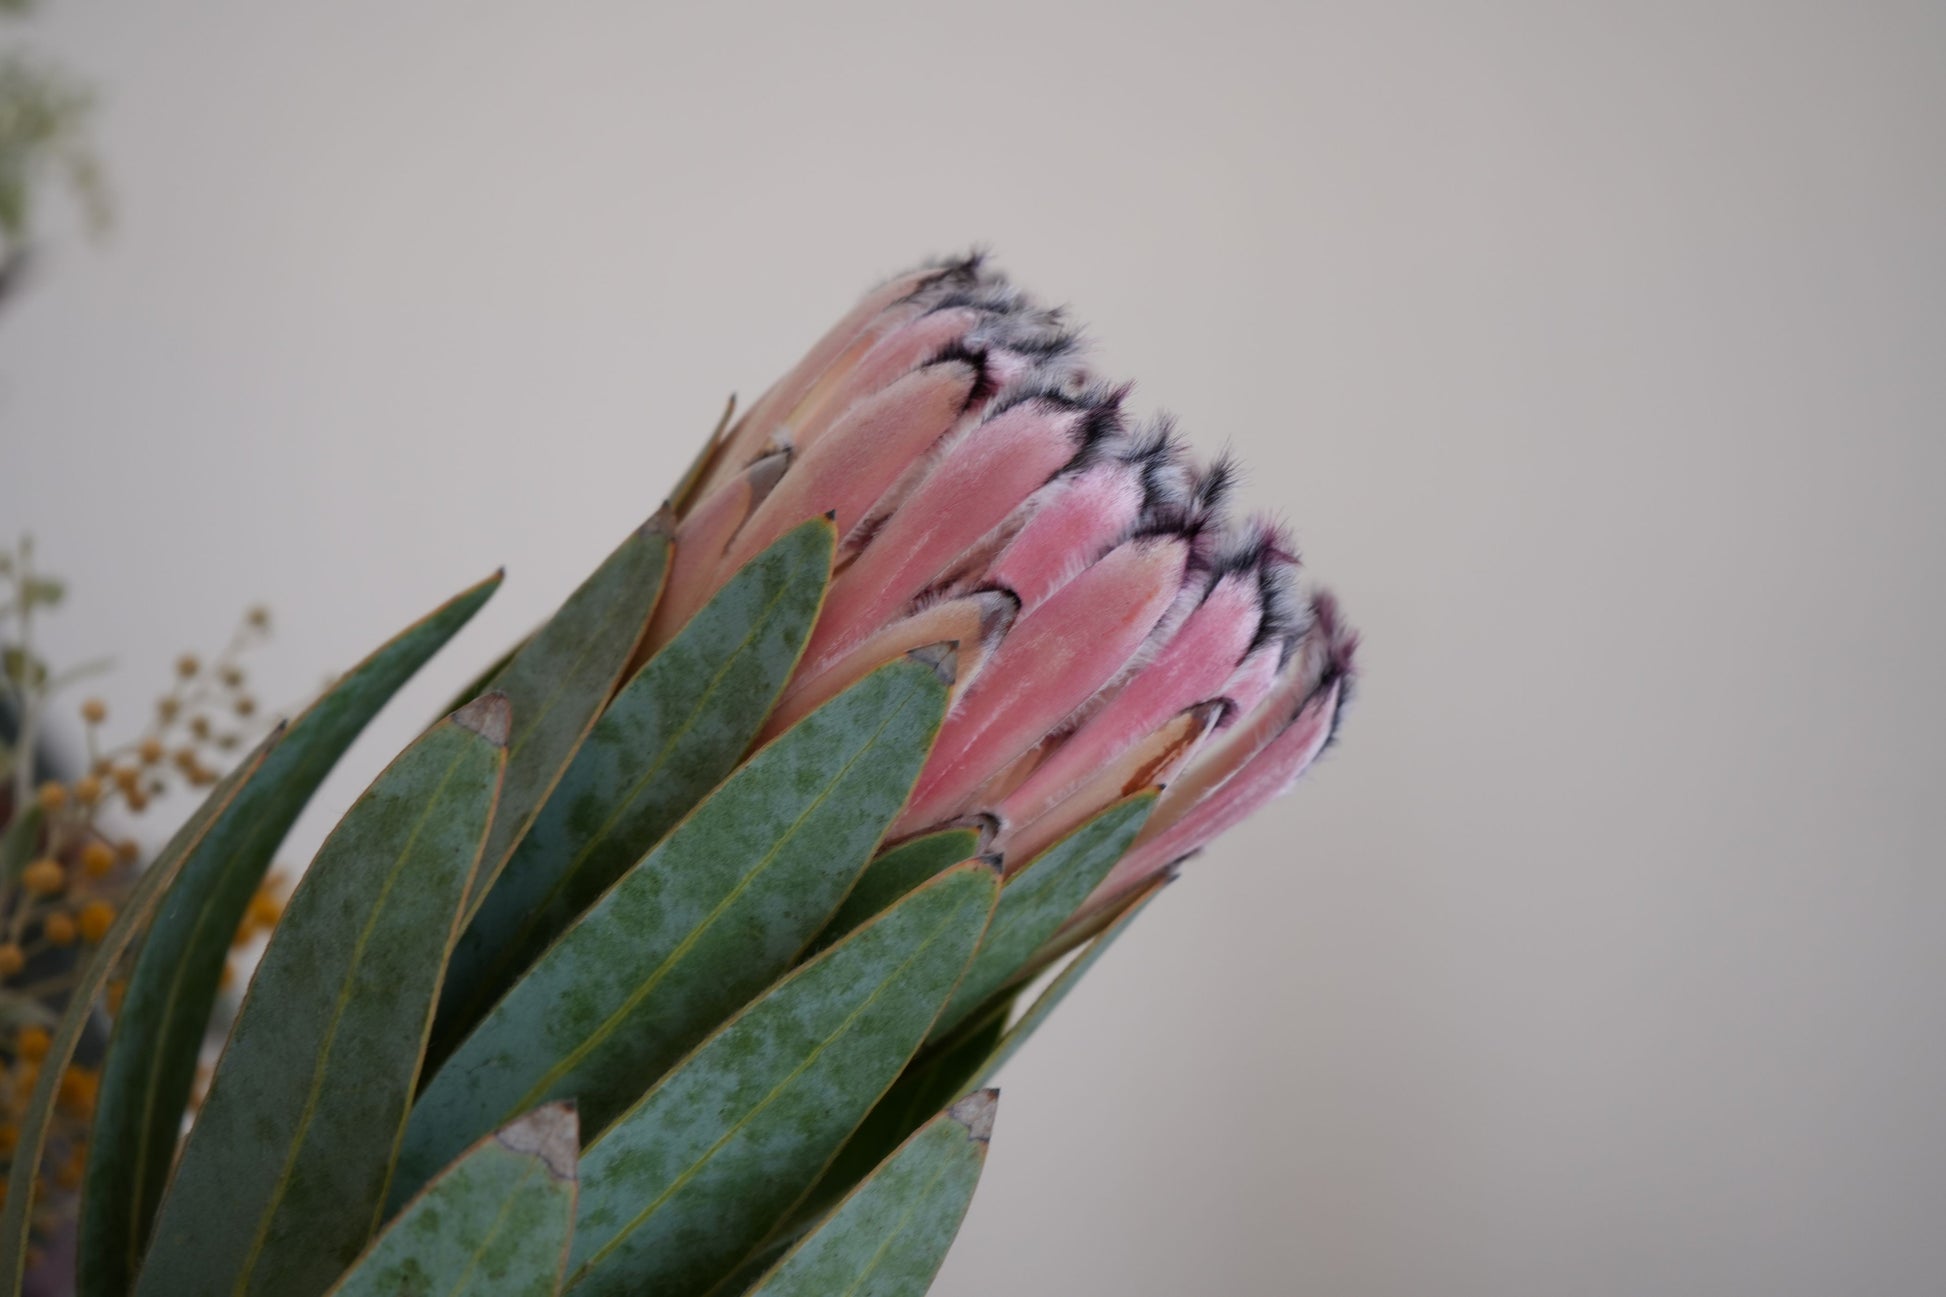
(1596,352)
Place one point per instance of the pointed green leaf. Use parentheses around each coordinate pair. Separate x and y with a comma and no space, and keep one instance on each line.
(896,871)
(890,1235)
(494,1224)
(281,1178)
(955,1066)
(1040,898)
(689,1180)
(714,914)
(561,678)
(934,1079)
(137,910)
(151,1061)
(1050,997)
(672,734)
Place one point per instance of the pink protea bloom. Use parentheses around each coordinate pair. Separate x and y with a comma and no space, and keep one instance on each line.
(1115,630)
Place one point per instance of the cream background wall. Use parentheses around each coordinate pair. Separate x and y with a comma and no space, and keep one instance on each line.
(1597,353)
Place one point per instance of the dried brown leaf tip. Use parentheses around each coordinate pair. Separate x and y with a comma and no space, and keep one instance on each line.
(551,1133)
(975,1112)
(943,658)
(490,716)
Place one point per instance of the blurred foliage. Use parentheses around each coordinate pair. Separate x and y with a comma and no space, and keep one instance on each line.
(44,118)
(66,862)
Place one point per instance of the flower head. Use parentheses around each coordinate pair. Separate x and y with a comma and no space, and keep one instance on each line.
(1116,628)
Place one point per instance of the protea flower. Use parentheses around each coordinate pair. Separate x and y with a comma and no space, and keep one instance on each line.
(677,958)
(1115,628)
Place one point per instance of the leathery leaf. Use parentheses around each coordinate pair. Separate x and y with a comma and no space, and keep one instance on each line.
(719,910)
(890,1234)
(673,732)
(279,1181)
(688,1181)
(560,679)
(952,1068)
(151,1062)
(1013,1037)
(494,1224)
(896,871)
(1041,897)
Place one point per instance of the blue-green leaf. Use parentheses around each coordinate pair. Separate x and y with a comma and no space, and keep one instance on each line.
(1041,897)
(494,1224)
(688,1182)
(151,1061)
(281,1178)
(672,734)
(560,679)
(1012,1038)
(888,1237)
(896,871)
(952,1067)
(714,914)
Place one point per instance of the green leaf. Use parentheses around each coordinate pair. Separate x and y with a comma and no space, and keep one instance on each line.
(282,1176)
(890,1235)
(561,678)
(690,1180)
(151,1063)
(494,1224)
(713,915)
(1056,991)
(934,1079)
(1040,898)
(953,1067)
(672,734)
(140,906)
(896,871)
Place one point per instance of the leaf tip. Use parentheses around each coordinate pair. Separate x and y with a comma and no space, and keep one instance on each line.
(975,1112)
(490,716)
(986,827)
(942,658)
(661,523)
(551,1133)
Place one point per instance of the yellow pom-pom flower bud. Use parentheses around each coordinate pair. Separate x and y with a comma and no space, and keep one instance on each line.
(44,877)
(95,919)
(97,858)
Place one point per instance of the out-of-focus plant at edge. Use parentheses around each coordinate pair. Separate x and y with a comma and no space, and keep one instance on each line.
(44,115)
(68,813)
(67,857)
